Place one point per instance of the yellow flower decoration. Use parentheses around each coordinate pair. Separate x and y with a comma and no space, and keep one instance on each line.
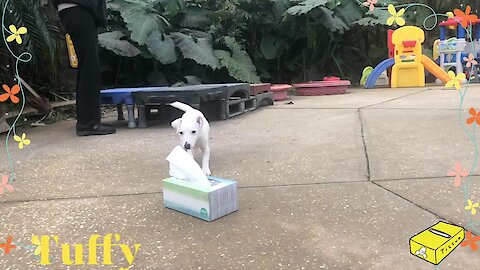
(455,80)
(396,16)
(16,34)
(36,242)
(450,14)
(471,206)
(21,141)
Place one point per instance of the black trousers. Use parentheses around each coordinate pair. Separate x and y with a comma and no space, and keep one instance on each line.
(80,24)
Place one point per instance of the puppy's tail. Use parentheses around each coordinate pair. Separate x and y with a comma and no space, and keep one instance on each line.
(181,106)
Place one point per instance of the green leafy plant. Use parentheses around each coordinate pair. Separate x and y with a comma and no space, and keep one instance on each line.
(43,41)
(191,41)
(170,32)
(237,62)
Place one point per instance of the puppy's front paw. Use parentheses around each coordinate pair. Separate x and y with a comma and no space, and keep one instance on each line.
(207,171)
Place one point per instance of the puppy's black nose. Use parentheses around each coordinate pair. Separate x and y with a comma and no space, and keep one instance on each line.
(187,146)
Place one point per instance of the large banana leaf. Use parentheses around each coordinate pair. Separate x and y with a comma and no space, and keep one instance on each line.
(237,62)
(200,50)
(332,22)
(141,18)
(162,47)
(306,6)
(113,42)
(378,17)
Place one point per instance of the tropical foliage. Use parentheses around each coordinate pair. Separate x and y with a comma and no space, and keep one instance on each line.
(43,42)
(185,41)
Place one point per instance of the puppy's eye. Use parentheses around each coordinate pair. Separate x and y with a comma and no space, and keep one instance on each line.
(193,132)
(181,132)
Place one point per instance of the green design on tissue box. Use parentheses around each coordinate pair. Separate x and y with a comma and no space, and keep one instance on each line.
(206,203)
(186,188)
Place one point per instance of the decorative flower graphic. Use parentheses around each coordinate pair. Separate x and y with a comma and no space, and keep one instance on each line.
(467,18)
(370,4)
(470,241)
(450,14)
(470,61)
(16,34)
(396,16)
(475,117)
(8,245)
(5,185)
(10,93)
(21,141)
(455,80)
(458,173)
(472,207)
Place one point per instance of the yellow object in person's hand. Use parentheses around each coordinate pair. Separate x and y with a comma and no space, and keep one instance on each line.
(71,52)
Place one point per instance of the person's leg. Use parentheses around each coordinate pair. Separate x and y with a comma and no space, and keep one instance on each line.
(80,24)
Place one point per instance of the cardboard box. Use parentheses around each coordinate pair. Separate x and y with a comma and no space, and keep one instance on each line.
(436,242)
(207,203)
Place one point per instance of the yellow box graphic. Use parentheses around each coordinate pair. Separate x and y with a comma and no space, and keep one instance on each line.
(436,242)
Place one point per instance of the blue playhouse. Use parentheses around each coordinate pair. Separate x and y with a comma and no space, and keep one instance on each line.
(450,52)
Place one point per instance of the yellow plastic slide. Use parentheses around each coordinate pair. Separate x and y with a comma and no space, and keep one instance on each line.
(433,68)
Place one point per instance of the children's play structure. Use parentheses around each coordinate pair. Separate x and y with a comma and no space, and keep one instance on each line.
(406,60)
(452,51)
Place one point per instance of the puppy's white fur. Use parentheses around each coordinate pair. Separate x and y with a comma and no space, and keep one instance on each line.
(193,129)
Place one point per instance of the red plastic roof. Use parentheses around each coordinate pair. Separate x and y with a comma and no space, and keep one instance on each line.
(451,21)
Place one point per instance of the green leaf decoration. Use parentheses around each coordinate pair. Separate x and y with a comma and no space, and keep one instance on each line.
(162,47)
(237,62)
(200,50)
(112,41)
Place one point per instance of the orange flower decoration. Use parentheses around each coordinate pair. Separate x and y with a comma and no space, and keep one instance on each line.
(475,117)
(470,61)
(10,93)
(466,17)
(8,245)
(471,241)
(458,173)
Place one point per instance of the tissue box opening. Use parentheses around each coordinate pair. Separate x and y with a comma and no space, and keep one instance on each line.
(207,203)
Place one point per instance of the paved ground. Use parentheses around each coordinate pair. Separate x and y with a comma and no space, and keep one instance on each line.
(335,182)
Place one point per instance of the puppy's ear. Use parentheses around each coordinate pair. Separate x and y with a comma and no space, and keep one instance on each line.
(176,124)
(200,121)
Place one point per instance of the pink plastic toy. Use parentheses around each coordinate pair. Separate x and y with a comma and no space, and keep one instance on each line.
(329,86)
(280,91)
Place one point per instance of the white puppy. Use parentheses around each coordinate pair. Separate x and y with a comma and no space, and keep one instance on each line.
(193,130)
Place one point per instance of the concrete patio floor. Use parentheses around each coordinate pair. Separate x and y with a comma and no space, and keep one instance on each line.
(332,182)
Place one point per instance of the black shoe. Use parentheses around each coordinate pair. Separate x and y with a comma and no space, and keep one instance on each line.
(98,129)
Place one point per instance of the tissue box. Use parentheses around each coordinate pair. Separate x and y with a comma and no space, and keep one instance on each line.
(207,203)
(436,242)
